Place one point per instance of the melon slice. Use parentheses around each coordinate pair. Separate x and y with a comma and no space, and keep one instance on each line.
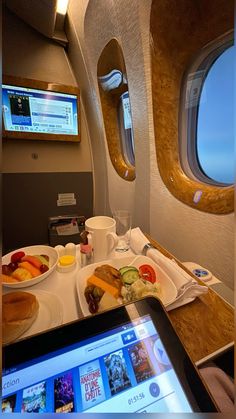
(34,271)
(21,274)
(8,279)
(33,260)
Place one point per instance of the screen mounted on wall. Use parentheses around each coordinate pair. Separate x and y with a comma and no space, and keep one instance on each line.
(40,110)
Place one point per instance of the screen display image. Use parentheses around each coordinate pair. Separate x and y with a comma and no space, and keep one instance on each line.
(29,110)
(125,369)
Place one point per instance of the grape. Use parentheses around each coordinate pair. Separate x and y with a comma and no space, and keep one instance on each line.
(13,266)
(43,268)
(89,293)
(6,270)
(93,306)
(89,297)
(98,293)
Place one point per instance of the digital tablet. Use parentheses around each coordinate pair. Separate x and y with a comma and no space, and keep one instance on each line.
(124,360)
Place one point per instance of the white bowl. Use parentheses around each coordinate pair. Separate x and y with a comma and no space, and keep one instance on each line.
(33,250)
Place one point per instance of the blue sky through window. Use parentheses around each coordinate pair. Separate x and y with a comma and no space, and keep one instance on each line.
(215,127)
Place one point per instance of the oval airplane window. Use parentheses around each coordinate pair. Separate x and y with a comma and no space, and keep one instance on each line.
(207,130)
(173,53)
(116,109)
(215,130)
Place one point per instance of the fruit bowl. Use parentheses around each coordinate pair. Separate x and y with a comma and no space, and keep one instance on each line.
(32,250)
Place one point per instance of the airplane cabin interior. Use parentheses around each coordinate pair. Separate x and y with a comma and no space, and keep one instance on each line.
(118,206)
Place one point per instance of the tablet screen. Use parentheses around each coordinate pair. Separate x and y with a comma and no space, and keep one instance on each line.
(126,369)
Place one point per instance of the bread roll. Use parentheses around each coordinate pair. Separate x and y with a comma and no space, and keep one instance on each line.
(19,311)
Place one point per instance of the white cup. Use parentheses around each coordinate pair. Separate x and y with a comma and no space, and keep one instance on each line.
(101,229)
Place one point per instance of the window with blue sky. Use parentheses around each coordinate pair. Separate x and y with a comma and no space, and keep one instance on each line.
(215,121)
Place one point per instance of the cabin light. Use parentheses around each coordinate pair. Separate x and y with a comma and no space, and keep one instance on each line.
(62,6)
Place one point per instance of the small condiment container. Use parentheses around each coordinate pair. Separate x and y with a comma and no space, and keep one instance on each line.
(66,263)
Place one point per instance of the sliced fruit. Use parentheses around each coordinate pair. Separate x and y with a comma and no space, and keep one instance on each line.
(16,257)
(33,260)
(147,272)
(34,271)
(8,278)
(43,259)
(22,274)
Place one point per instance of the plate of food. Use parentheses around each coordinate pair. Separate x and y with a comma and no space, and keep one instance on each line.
(106,284)
(28,266)
(27,313)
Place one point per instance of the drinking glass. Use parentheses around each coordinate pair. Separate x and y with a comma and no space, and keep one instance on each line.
(123,230)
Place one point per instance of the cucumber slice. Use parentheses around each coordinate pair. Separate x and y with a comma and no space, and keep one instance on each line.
(127,268)
(130,276)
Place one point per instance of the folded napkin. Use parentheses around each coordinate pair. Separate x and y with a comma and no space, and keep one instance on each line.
(187,287)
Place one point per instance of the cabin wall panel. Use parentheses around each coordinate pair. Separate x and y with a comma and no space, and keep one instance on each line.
(33,198)
(26,53)
(34,172)
(100,26)
(102,22)
(135,45)
(191,235)
(187,233)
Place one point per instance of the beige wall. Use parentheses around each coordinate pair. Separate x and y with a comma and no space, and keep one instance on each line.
(189,234)
(92,24)
(28,54)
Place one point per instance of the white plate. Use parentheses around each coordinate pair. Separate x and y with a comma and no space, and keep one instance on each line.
(33,250)
(50,313)
(168,288)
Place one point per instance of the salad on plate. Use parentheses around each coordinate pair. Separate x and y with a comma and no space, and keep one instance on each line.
(107,286)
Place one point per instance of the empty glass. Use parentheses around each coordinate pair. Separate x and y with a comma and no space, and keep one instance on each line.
(123,230)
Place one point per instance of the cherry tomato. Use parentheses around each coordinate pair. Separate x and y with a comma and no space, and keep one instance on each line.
(16,257)
(147,272)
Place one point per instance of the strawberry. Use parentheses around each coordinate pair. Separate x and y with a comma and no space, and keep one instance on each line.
(16,257)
